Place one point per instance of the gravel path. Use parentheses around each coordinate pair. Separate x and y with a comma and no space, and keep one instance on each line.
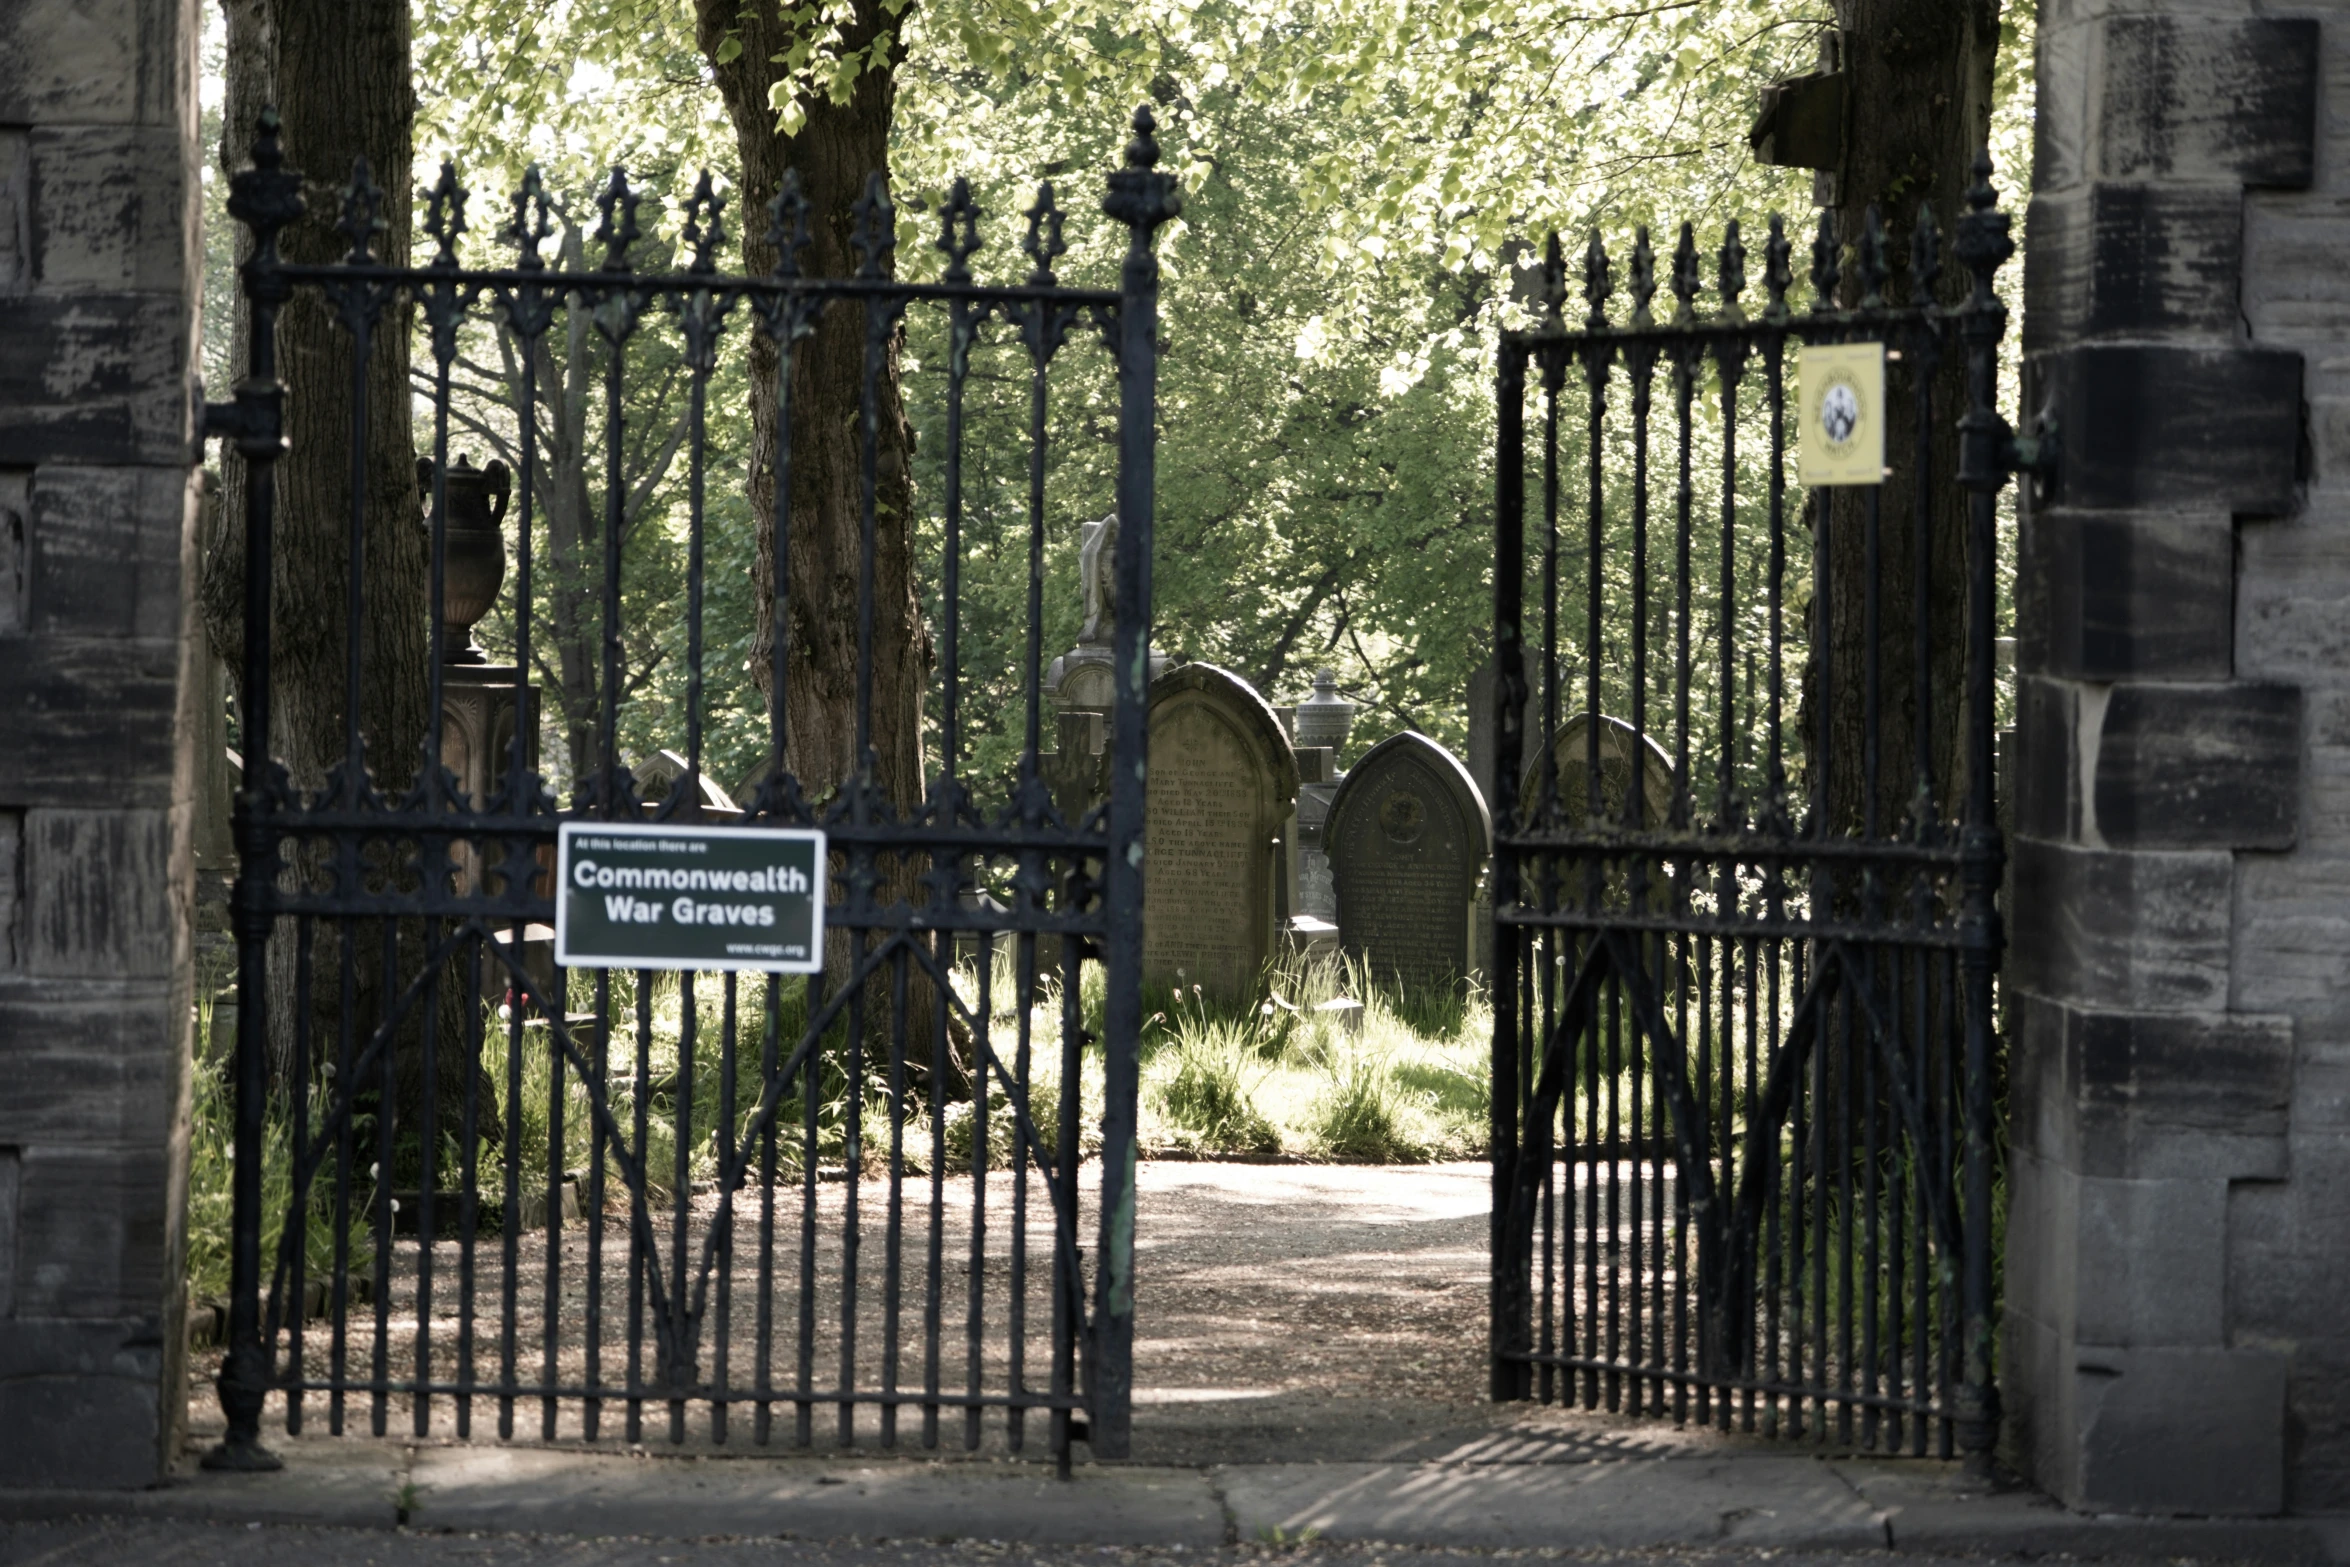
(1308,1311)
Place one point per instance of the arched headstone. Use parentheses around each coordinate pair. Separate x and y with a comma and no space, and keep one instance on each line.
(1220,783)
(1408,836)
(657,775)
(1618,742)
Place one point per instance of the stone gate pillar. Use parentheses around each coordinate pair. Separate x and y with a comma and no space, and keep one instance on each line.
(2179,970)
(100,265)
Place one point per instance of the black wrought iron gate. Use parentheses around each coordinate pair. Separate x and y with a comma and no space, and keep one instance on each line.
(1743,1048)
(860,1192)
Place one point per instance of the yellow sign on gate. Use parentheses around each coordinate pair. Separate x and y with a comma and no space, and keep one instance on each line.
(1843,425)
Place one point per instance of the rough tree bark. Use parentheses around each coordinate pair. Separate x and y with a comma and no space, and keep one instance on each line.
(338,73)
(1917,107)
(835,150)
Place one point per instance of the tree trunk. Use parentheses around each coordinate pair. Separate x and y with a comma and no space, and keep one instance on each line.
(575,572)
(835,150)
(1917,94)
(338,73)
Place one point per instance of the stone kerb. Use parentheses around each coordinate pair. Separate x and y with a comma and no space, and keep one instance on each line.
(99,282)
(2159,770)
(1409,836)
(1222,779)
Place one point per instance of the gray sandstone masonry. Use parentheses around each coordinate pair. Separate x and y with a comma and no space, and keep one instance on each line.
(99,277)
(2180,925)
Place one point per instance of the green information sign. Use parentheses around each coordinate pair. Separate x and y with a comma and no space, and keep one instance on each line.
(689,897)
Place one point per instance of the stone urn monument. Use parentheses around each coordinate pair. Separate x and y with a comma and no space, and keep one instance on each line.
(473,567)
(483,705)
(1325,717)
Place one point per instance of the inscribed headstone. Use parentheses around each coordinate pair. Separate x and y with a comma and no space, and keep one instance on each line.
(1408,836)
(1221,781)
(1619,742)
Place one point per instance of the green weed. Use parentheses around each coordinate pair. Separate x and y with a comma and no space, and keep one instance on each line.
(1363,1116)
(1209,1095)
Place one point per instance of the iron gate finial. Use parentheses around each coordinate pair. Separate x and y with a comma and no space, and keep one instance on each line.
(788,225)
(958,230)
(1733,274)
(444,215)
(532,221)
(875,236)
(362,221)
(1778,269)
(619,229)
(705,228)
(1826,268)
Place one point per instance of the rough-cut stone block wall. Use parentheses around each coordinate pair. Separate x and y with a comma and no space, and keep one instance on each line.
(2180,1180)
(99,277)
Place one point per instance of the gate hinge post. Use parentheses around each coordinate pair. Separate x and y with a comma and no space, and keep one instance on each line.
(1991,452)
(2036,456)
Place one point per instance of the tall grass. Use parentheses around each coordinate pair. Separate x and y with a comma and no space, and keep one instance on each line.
(1395,1078)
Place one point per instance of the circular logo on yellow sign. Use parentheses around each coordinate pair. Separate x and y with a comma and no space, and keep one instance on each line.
(1840,412)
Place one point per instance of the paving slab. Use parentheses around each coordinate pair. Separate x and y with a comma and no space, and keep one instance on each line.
(521,1490)
(1933,1508)
(347,1485)
(1604,1504)
(1500,1496)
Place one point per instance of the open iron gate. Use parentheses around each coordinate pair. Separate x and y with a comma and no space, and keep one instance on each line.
(582,1267)
(1743,1102)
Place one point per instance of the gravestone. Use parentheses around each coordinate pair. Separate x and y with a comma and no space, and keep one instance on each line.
(658,776)
(1618,743)
(1078,769)
(1081,680)
(1408,838)
(1221,782)
(1317,786)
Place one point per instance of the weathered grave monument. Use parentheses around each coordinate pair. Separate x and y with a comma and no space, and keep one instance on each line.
(1078,683)
(1619,743)
(478,703)
(1480,755)
(1570,750)
(1320,726)
(1409,836)
(1222,781)
(658,776)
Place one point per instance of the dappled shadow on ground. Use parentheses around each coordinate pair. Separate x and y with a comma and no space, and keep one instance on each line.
(1334,1313)
(1284,1312)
